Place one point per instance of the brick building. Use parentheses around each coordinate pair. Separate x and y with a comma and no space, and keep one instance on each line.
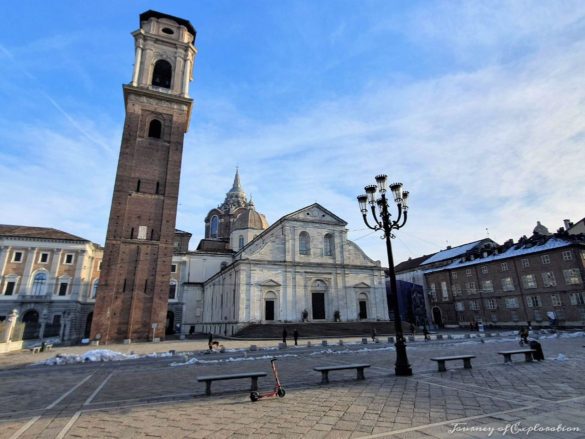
(535,280)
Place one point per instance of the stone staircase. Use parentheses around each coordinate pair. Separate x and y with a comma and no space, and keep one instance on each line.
(321,329)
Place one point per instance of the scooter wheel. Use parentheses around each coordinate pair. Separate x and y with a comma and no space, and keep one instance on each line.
(281,392)
(254,396)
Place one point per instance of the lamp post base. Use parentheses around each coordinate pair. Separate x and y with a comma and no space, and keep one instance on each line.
(402,368)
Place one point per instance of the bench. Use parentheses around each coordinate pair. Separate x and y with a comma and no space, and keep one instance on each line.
(325,371)
(508,354)
(441,361)
(48,347)
(235,376)
(35,349)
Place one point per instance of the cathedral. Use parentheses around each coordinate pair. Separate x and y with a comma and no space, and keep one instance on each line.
(302,267)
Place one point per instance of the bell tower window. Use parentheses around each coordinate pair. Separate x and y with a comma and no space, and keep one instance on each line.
(155,129)
(163,71)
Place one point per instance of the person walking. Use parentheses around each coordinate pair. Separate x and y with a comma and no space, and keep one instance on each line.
(296,336)
(412,328)
(284,335)
(210,340)
(374,334)
(426,333)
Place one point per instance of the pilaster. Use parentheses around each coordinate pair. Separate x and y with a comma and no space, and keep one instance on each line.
(25,285)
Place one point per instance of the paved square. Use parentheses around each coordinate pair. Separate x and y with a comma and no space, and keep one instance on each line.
(160,397)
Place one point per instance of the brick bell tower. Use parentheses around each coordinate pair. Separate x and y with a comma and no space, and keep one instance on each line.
(132,297)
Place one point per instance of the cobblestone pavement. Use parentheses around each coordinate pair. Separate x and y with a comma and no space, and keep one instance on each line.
(161,397)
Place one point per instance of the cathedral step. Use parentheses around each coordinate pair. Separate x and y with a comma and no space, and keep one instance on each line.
(316,329)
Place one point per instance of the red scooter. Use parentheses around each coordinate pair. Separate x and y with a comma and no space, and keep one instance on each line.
(278,389)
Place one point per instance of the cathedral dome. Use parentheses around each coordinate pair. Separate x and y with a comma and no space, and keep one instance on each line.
(250,219)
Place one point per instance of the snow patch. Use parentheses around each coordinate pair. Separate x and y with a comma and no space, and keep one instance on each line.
(97,355)
(195,360)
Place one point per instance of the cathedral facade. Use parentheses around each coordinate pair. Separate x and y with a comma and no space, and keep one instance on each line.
(302,267)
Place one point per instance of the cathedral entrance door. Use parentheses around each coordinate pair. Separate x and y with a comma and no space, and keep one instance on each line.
(318,301)
(269,310)
(363,309)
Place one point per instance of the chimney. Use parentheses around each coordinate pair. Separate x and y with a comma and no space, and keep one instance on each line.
(567,224)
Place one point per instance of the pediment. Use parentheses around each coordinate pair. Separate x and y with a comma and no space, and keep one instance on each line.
(361,285)
(269,283)
(316,213)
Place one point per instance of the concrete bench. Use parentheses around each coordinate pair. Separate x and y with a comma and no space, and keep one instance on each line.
(508,354)
(235,376)
(441,361)
(35,349)
(325,370)
(48,347)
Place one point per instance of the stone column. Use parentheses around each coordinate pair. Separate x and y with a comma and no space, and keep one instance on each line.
(3,258)
(137,62)
(44,317)
(77,277)
(187,75)
(145,70)
(12,319)
(54,271)
(30,258)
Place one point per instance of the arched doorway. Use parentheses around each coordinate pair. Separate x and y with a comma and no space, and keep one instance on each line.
(269,306)
(88,321)
(32,326)
(170,328)
(437,317)
(318,290)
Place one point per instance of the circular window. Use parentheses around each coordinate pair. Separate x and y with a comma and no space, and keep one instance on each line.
(168,31)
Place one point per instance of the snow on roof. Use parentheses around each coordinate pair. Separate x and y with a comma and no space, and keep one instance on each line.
(512,252)
(451,253)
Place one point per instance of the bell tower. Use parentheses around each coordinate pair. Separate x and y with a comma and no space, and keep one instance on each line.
(132,296)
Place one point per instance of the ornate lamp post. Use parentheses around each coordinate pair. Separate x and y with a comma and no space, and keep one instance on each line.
(386,224)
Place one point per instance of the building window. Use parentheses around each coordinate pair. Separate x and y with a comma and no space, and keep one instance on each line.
(459,306)
(533,301)
(507,284)
(63,288)
(39,282)
(484,269)
(44,258)
(529,281)
(511,303)
(69,258)
(504,266)
(556,300)
(173,289)
(162,74)
(491,303)
(470,286)
(548,279)
(567,255)
(214,226)
(99,267)
(456,289)
(304,243)
(9,288)
(173,268)
(240,242)
(444,291)
(576,298)
(525,263)
(454,274)
(94,288)
(328,245)
(487,286)
(545,259)
(473,305)
(572,276)
(155,130)
(468,272)
(141,232)
(17,257)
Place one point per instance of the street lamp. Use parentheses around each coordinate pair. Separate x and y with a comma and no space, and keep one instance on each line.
(386,224)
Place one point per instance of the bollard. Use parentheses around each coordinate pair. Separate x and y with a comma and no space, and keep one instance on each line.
(411,338)
(253,347)
(390,339)
(377,340)
(309,344)
(364,340)
(439,336)
(281,345)
(172,352)
(449,337)
(340,342)
(324,343)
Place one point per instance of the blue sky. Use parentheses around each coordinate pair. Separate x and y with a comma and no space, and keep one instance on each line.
(477,107)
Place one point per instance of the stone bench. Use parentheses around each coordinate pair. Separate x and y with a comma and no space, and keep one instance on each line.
(325,370)
(35,349)
(48,347)
(441,361)
(508,354)
(235,376)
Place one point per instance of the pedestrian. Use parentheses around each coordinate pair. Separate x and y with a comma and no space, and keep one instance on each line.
(426,333)
(412,329)
(537,347)
(284,335)
(523,336)
(210,340)
(296,336)
(374,334)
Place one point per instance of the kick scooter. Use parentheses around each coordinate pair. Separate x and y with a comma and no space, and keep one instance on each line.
(278,389)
